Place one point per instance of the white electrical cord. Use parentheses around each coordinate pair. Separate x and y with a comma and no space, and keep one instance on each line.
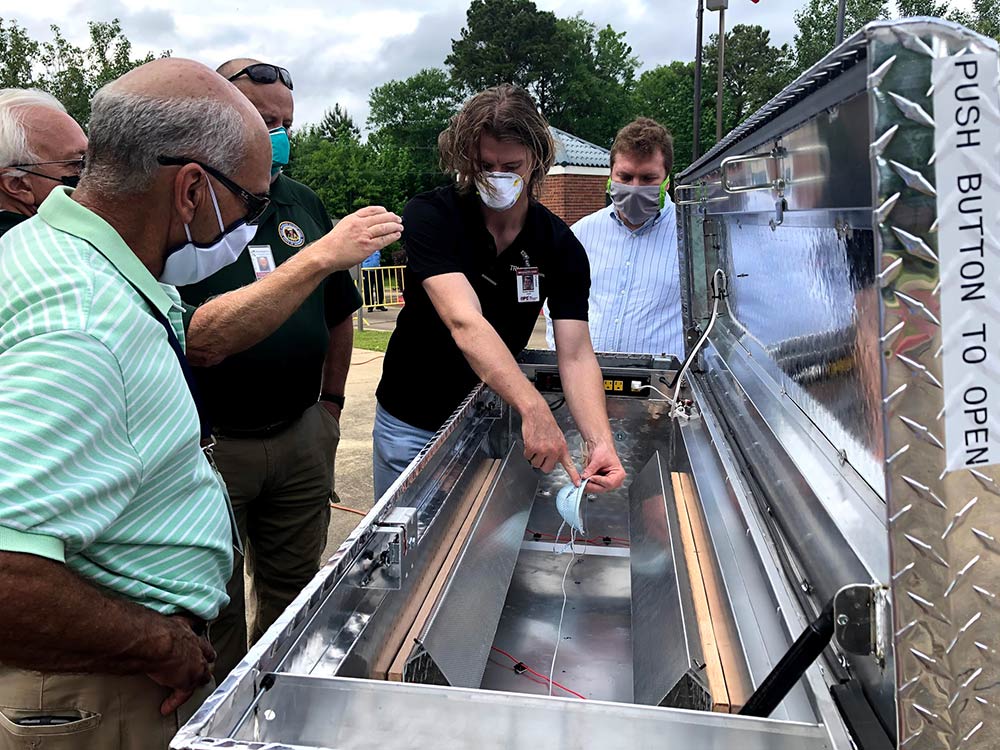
(562,612)
(654,388)
(697,347)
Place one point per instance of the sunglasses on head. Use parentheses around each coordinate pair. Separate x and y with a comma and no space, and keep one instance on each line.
(265,73)
(256,204)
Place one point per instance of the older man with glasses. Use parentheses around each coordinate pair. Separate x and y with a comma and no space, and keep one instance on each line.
(116,535)
(41,147)
(277,452)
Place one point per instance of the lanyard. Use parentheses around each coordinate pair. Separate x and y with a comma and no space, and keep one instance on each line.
(192,384)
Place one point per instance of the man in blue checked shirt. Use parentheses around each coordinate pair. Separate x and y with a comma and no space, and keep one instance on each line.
(635,290)
(374,292)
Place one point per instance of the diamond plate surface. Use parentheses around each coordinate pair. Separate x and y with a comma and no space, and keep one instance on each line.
(945,555)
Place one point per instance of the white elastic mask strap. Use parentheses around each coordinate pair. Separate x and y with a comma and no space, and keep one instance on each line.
(218,213)
(215,202)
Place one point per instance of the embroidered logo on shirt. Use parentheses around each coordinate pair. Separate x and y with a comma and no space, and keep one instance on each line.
(291,234)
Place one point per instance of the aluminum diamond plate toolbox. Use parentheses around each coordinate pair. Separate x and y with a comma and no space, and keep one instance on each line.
(943,524)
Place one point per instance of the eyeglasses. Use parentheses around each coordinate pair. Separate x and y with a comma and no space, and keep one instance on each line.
(265,73)
(256,204)
(70,180)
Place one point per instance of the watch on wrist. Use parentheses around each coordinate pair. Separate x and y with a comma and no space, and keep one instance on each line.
(333,398)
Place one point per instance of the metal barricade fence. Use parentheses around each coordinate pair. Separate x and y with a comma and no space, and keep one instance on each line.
(380,287)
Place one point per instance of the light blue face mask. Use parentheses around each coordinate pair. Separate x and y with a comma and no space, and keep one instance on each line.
(280,149)
(569,503)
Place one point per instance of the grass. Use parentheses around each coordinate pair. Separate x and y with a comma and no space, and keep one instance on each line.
(375,341)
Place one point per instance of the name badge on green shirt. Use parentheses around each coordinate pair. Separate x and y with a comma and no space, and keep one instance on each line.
(262,259)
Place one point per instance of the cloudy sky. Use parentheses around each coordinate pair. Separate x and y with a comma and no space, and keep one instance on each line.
(337,51)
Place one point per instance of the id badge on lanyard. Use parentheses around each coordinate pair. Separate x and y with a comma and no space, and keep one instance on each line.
(527,281)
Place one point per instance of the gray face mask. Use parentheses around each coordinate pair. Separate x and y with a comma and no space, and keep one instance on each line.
(635,203)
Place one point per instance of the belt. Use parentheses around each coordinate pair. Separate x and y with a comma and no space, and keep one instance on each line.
(255,433)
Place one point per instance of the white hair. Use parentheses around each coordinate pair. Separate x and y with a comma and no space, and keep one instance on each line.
(129,132)
(14,146)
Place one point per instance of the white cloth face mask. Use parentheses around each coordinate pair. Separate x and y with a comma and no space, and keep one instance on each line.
(192,262)
(500,190)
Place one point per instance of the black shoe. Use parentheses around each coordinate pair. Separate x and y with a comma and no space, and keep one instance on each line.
(382,308)
(370,309)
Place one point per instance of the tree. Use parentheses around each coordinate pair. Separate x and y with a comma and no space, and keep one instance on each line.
(407,116)
(984,17)
(817,24)
(908,8)
(590,89)
(346,173)
(18,53)
(73,74)
(337,124)
(506,41)
(666,93)
(580,77)
(70,73)
(754,72)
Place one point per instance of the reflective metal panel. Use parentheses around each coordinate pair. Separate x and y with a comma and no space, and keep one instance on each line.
(460,629)
(826,536)
(667,652)
(944,526)
(359,715)
(825,343)
(595,650)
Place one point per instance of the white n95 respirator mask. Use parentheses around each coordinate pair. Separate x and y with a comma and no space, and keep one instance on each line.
(500,190)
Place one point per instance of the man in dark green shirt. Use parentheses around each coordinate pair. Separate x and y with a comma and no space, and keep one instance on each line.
(270,337)
(40,147)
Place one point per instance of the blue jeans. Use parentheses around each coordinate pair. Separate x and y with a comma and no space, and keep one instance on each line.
(394,444)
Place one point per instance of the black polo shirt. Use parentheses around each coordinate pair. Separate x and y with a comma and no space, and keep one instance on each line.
(280,377)
(425,375)
(9,220)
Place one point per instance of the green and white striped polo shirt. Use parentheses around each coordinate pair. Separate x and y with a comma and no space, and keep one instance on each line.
(100,464)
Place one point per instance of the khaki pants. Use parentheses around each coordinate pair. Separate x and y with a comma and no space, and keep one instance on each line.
(280,488)
(111,712)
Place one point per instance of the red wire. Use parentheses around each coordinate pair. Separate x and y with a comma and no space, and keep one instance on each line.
(337,506)
(594,540)
(529,669)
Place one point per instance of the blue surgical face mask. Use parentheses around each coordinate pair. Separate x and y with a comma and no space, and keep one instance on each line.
(280,149)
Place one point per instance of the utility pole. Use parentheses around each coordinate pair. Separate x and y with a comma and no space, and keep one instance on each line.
(841,12)
(720,5)
(722,67)
(696,141)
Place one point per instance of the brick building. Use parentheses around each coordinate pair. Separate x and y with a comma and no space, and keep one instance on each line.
(577,183)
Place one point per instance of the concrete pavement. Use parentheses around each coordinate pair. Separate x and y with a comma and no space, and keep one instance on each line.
(354,455)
